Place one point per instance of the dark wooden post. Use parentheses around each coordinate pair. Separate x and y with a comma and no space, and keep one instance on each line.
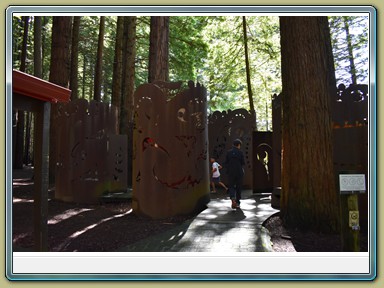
(36,95)
(350,234)
(351,185)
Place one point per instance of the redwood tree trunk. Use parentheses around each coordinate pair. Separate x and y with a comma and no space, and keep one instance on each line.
(158,49)
(128,73)
(128,87)
(99,62)
(60,52)
(117,67)
(74,84)
(37,47)
(59,74)
(309,198)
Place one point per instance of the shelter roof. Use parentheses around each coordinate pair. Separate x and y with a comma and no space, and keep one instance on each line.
(31,86)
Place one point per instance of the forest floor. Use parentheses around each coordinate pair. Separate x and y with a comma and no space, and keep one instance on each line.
(108,226)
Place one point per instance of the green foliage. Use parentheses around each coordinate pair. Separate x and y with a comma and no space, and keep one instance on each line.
(142,49)
(17,40)
(206,49)
(224,70)
(89,28)
(187,47)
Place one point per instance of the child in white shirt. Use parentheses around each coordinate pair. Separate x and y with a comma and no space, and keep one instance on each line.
(215,179)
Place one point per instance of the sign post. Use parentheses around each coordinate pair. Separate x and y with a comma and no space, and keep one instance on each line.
(351,185)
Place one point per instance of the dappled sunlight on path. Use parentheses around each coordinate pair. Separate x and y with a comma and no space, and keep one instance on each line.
(218,229)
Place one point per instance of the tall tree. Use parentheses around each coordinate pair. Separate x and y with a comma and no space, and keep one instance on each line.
(38,72)
(309,198)
(46,45)
(19,147)
(128,87)
(351,59)
(129,73)
(83,79)
(159,49)
(224,71)
(117,67)
(99,62)
(37,47)
(248,72)
(60,51)
(74,83)
(59,74)
(350,48)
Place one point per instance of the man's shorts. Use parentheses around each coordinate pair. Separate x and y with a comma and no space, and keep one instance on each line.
(216,180)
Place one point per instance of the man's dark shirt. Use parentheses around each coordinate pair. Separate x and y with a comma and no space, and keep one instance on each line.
(234,162)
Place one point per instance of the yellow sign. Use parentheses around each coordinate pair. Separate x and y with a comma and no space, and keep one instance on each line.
(353,218)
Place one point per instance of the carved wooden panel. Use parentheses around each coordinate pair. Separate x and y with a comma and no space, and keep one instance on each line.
(224,127)
(170,150)
(91,158)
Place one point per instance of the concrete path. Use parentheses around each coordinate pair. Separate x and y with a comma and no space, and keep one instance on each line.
(217,229)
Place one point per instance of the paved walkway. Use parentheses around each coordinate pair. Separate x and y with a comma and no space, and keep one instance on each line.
(217,229)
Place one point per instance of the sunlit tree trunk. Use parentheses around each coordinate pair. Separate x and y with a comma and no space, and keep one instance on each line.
(158,49)
(84,75)
(309,199)
(248,70)
(352,67)
(38,72)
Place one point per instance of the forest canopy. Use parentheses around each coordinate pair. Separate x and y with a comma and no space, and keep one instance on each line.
(205,49)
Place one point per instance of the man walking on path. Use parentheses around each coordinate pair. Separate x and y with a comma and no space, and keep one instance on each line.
(234,162)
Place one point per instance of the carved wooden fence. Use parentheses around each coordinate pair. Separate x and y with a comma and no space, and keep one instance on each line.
(170,152)
(91,158)
(224,127)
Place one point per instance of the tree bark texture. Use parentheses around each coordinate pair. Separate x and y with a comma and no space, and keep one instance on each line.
(117,66)
(128,73)
(117,69)
(28,127)
(60,52)
(59,74)
(128,87)
(99,61)
(37,47)
(159,49)
(309,199)
(74,82)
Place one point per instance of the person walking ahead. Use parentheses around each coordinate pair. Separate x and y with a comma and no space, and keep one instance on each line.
(234,162)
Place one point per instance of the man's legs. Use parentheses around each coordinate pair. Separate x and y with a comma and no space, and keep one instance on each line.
(239,184)
(232,190)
